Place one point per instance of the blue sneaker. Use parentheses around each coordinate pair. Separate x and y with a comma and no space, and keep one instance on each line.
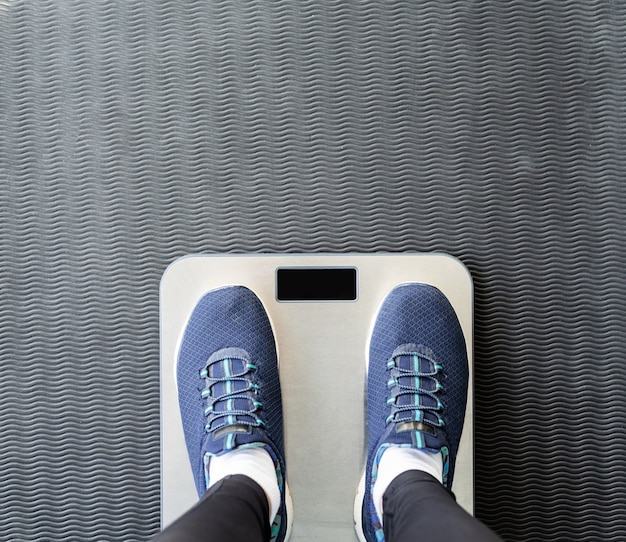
(416,387)
(228,386)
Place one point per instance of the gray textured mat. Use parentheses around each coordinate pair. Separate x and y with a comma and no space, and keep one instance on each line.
(133,133)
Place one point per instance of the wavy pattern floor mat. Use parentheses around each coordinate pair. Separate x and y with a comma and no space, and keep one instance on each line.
(132,133)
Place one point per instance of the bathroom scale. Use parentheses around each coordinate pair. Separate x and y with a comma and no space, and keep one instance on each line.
(322,308)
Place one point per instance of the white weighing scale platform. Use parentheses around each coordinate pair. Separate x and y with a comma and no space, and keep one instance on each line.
(322,322)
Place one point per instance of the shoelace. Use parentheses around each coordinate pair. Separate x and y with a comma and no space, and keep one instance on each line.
(414,387)
(231,395)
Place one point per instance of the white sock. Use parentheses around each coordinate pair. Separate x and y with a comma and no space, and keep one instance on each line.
(255,463)
(396,460)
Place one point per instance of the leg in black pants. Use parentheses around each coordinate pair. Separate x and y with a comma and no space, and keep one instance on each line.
(235,509)
(418,507)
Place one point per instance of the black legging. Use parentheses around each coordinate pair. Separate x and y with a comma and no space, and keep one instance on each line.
(416,507)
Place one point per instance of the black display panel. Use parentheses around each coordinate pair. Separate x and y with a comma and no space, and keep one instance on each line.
(316,284)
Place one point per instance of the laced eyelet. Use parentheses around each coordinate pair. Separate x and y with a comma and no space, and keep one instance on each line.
(230,394)
(418,387)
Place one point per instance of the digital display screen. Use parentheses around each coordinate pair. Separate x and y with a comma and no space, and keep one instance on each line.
(316,284)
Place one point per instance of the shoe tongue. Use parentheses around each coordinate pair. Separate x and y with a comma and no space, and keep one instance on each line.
(234,386)
(409,399)
(415,363)
(422,378)
(422,373)
(228,367)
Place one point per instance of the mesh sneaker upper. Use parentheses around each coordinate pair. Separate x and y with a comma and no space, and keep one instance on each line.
(417,382)
(228,383)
